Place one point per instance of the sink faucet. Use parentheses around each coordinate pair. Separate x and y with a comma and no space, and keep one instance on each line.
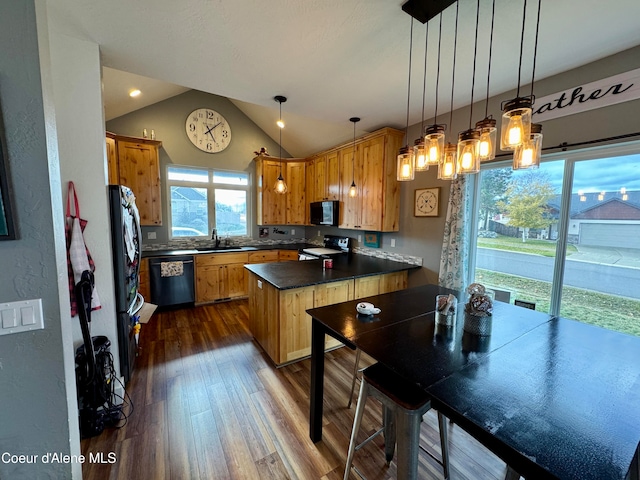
(215,238)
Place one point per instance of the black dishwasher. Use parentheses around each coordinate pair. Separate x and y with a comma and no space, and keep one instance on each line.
(171,280)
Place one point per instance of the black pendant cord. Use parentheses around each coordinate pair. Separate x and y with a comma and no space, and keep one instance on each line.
(280,102)
(406,131)
(424,77)
(475,52)
(535,49)
(453,75)
(493,14)
(524,16)
(435,115)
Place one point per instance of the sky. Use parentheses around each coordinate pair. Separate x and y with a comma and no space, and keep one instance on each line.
(605,174)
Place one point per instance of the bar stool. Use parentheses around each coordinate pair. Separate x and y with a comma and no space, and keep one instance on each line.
(403,405)
(355,375)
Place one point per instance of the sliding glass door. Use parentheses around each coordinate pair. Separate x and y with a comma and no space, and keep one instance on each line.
(564,238)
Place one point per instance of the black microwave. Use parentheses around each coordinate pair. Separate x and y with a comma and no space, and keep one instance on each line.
(325,213)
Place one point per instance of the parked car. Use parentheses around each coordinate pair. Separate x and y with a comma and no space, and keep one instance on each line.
(186,232)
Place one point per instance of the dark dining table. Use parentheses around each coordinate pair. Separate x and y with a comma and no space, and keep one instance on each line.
(552,397)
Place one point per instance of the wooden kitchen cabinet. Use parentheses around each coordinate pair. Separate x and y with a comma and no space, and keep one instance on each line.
(278,209)
(144,286)
(326,185)
(135,162)
(377,205)
(220,276)
(285,255)
(264,256)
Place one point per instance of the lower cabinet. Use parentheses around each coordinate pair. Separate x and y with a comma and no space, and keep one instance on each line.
(144,287)
(285,255)
(278,319)
(220,276)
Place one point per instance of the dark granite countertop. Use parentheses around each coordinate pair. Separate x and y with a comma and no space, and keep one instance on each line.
(310,272)
(234,248)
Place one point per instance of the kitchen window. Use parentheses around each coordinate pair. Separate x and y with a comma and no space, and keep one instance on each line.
(204,199)
(563,238)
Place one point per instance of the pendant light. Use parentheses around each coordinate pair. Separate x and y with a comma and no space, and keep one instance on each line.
(280,186)
(406,167)
(419,147)
(353,190)
(448,168)
(487,126)
(516,116)
(469,140)
(529,153)
(434,135)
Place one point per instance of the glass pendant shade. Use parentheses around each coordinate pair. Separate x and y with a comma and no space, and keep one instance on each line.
(469,151)
(406,170)
(434,144)
(280,185)
(447,170)
(488,133)
(516,123)
(420,155)
(353,190)
(528,154)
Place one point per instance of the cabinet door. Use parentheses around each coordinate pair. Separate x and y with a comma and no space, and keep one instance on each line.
(144,287)
(209,280)
(320,189)
(333,176)
(372,168)
(350,207)
(271,205)
(139,170)
(284,255)
(296,199)
(391,282)
(334,292)
(310,181)
(295,323)
(112,161)
(236,281)
(367,286)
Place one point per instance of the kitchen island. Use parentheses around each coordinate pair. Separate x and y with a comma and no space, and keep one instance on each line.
(281,293)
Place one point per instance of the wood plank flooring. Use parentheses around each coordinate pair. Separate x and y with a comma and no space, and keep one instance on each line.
(208,404)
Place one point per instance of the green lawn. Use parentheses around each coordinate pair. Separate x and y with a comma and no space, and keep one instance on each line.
(608,311)
(539,247)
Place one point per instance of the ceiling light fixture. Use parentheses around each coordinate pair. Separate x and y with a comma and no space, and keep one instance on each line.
(280,186)
(134,93)
(516,116)
(447,170)
(528,154)
(353,190)
(469,140)
(419,147)
(434,135)
(406,170)
(487,126)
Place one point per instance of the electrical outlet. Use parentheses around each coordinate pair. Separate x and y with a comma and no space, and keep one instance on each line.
(293,231)
(393,242)
(259,283)
(151,235)
(359,238)
(318,232)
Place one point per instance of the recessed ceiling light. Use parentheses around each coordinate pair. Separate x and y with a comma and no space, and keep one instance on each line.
(134,93)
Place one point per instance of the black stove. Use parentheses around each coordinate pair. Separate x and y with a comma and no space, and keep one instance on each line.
(333,245)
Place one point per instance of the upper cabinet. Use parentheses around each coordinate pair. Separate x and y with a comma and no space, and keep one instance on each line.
(326,185)
(372,166)
(135,162)
(275,208)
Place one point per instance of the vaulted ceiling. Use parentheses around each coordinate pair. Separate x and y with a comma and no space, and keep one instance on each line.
(333,59)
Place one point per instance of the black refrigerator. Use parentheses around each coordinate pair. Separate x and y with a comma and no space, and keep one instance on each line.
(126,242)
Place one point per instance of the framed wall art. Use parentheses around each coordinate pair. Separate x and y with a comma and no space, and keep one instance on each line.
(426,202)
(7,230)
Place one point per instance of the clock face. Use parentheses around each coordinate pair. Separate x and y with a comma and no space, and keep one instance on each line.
(208,130)
(426,202)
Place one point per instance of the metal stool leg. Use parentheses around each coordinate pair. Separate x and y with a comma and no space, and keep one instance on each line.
(389,423)
(408,431)
(444,444)
(362,399)
(355,374)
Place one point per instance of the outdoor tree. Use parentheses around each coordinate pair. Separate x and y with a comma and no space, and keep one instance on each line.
(492,191)
(527,197)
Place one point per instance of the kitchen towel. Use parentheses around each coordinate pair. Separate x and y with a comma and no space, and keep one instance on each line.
(171,269)
(78,256)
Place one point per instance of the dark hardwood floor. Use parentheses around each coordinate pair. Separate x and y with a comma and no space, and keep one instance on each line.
(208,404)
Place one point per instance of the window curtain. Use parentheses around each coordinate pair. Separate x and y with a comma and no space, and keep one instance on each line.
(454,261)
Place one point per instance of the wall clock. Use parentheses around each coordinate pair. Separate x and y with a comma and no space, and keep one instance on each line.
(208,130)
(426,202)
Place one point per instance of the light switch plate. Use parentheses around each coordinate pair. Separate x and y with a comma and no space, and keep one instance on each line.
(21,316)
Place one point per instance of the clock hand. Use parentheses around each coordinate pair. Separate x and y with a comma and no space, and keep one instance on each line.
(216,125)
(209,131)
